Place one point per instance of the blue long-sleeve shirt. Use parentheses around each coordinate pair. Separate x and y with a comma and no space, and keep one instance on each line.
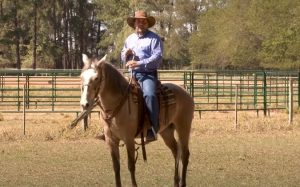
(148,51)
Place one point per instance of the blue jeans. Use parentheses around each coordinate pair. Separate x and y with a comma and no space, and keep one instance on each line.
(148,83)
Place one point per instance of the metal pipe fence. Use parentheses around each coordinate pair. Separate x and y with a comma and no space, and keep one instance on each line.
(59,90)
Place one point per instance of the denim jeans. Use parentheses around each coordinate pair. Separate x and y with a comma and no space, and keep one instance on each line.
(148,83)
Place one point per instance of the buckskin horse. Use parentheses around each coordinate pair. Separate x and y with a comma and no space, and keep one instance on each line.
(105,86)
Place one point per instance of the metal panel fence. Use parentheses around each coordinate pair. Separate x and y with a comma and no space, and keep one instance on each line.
(254,90)
(59,90)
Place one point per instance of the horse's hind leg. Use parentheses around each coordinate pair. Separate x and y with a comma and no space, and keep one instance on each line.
(170,141)
(185,154)
(183,141)
(131,161)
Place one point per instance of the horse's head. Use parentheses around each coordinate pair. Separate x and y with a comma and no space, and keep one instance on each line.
(91,78)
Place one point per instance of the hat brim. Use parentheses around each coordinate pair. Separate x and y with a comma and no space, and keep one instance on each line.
(151,21)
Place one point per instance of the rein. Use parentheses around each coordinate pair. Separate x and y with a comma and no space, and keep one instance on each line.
(107,116)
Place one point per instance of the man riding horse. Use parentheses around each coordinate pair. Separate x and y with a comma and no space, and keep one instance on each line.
(104,86)
(142,53)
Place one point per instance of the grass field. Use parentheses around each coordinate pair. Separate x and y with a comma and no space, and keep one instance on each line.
(263,151)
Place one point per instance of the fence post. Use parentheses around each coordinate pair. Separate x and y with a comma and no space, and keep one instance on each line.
(184,80)
(24,109)
(18,94)
(53,82)
(192,75)
(298,89)
(255,90)
(217,89)
(2,86)
(236,105)
(27,91)
(290,100)
(265,93)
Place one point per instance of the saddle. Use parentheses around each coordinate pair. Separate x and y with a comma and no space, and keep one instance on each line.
(165,97)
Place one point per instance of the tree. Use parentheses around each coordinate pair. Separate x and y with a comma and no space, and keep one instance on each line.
(13,33)
(225,34)
(176,20)
(247,34)
(279,29)
(112,29)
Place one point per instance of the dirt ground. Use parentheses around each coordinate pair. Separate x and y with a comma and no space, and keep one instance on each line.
(262,151)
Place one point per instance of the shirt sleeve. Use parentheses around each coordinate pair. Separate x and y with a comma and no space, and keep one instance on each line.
(123,59)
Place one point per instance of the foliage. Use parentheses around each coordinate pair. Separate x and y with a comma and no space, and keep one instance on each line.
(223,34)
(113,14)
(248,34)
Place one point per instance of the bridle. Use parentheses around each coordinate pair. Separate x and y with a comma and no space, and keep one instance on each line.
(107,115)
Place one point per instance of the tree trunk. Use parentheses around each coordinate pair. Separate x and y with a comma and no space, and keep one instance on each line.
(17,36)
(65,40)
(1,9)
(82,38)
(56,37)
(34,35)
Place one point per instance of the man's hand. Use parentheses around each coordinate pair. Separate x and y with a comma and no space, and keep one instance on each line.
(129,52)
(132,64)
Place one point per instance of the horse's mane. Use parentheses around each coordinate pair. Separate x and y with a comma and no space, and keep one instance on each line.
(113,77)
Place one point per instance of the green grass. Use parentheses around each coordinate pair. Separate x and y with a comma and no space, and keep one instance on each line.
(263,151)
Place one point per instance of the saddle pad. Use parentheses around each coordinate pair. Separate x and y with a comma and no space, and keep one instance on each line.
(165,96)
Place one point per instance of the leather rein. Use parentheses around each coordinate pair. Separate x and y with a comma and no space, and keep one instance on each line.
(108,115)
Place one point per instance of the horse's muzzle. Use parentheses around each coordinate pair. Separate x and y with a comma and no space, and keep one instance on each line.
(84,103)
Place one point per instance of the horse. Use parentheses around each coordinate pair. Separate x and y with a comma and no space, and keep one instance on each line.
(107,87)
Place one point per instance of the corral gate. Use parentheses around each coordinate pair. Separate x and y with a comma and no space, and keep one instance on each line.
(59,90)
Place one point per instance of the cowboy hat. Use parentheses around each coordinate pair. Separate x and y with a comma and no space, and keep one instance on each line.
(140,14)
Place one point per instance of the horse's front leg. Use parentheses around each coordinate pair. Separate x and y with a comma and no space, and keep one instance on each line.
(115,155)
(131,160)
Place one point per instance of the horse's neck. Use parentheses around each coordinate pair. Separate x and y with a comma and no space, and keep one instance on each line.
(113,91)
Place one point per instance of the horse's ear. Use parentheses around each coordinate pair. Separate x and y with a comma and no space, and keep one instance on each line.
(103,59)
(85,59)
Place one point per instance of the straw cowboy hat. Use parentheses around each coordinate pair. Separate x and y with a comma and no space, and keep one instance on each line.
(140,14)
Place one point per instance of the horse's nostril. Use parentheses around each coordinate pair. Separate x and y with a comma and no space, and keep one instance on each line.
(87,105)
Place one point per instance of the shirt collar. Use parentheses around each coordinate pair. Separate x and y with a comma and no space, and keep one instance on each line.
(142,36)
